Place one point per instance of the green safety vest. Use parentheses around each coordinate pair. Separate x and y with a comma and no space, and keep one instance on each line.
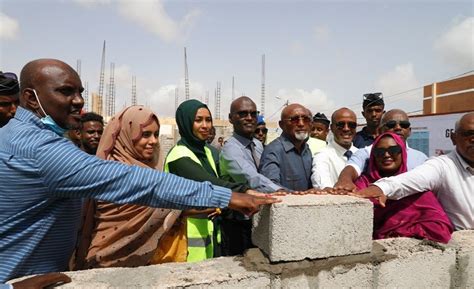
(199,228)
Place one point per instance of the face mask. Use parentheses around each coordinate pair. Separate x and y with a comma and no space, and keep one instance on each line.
(49,121)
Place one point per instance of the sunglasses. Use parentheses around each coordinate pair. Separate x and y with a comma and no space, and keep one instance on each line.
(372,96)
(342,124)
(245,113)
(466,133)
(296,119)
(8,103)
(393,150)
(261,130)
(393,123)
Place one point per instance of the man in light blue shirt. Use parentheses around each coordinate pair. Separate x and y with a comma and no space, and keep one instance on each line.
(394,120)
(45,176)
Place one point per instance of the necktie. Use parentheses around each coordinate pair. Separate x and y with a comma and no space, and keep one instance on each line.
(255,157)
(348,154)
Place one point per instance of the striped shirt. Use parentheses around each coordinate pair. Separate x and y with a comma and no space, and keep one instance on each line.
(43,180)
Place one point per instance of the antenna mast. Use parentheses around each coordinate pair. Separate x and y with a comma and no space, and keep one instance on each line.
(186,75)
(262,104)
(101,83)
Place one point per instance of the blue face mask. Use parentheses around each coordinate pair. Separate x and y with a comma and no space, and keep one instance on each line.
(49,121)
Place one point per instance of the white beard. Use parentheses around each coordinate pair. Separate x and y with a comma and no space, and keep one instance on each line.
(301,136)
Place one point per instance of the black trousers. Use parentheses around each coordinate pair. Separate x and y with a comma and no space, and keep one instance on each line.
(236,236)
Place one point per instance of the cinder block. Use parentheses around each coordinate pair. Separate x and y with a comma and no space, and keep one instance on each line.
(314,226)
(417,264)
(463,243)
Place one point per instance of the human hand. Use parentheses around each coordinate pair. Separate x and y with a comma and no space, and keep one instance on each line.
(315,191)
(249,204)
(343,187)
(371,192)
(42,281)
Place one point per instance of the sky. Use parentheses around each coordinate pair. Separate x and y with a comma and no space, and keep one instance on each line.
(322,54)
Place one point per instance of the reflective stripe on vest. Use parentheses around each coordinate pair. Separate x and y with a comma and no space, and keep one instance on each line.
(199,229)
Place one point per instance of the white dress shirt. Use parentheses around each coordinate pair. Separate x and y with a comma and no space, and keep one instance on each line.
(328,164)
(449,177)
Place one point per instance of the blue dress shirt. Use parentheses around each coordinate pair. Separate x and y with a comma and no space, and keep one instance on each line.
(282,164)
(44,178)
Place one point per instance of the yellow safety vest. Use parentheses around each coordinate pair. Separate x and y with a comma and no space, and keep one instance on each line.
(199,228)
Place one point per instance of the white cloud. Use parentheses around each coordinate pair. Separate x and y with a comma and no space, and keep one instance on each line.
(321,33)
(398,85)
(315,100)
(400,79)
(456,45)
(9,27)
(92,3)
(152,16)
(296,48)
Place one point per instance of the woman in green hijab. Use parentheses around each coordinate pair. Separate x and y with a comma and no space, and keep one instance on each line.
(192,158)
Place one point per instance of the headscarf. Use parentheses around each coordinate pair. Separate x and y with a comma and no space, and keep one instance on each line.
(185,115)
(416,216)
(123,235)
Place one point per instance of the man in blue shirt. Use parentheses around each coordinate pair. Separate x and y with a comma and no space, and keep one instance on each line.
(394,120)
(287,160)
(45,176)
(373,109)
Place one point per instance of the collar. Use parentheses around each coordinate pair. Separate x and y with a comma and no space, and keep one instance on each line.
(243,140)
(27,116)
(340,150)
(463,163)
(288,145)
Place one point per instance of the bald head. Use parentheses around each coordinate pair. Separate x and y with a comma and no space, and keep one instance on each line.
(394,114)
(396,120)
(237,103)
(343,111)
(290,108)
(52,87)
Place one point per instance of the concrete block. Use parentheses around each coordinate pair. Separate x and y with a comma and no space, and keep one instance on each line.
(417,264)
(463,243)
(314,226)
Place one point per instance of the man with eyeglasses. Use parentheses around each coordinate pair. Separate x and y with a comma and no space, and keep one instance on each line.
(450,177)
(261,130)
(394,120)
(239,162)
(287,159)
(330,161)
(373,109)
(9,94)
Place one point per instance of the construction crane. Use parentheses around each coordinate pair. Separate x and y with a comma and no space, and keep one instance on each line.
(186,75)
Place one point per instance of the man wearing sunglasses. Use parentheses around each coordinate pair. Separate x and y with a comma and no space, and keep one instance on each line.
(287,160)
(373,109)
(239,161)
(261,130)
(9,93)
(450,177)
(394,120)
(330,161)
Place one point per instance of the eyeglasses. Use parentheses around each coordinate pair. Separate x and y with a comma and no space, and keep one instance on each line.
(393,150)
(393,123)
(245,113)
(342,124)
(261,130)
(296,119)
(373,96)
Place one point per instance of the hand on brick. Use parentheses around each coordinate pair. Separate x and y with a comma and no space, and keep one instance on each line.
(248,204)
(371,191)
(316,191)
